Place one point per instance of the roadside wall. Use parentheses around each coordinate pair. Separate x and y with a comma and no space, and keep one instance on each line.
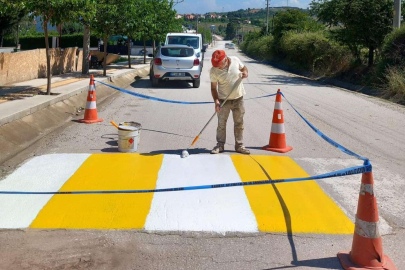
(79,61)
(21,133)
(29,65)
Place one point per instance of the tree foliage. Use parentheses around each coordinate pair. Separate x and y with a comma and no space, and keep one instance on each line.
(294,20)
(357,22)
(230,30)
(10,14)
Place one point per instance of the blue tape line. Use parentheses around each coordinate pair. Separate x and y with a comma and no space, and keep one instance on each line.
(349,171)
(168,100)
(326,138)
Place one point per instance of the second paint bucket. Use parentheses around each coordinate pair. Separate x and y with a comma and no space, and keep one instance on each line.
(128,136)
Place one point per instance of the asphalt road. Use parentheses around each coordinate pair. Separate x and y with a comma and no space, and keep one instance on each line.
(368,126)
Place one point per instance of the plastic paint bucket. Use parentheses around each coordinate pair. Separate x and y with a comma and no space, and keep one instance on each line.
(128,137)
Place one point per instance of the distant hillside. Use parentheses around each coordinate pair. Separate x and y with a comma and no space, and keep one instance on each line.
(254,13)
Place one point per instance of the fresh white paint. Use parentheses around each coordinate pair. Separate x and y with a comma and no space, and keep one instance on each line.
(214,210)
(43,173)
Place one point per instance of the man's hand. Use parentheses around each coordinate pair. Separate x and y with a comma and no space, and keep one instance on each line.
(244,71)
(217,104)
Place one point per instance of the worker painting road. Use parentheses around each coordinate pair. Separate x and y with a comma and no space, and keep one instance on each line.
(288,225)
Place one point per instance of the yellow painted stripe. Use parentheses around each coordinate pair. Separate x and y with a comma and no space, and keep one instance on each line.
(300,207)
(104,211)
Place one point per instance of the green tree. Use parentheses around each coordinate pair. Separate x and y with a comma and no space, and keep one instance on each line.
(53,12)
(156,19)
(294,20)
(129,23)
(230,31)
(107,23)
(86,15)
(11,14)
(357,22)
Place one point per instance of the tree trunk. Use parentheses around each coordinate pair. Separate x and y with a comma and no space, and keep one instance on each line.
(48,59)
(105,57)
(1,38)
(86,50)
(154,47)
(144,51)
(129,51)
(370,56)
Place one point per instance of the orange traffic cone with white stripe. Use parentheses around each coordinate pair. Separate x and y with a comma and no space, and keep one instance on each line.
(367,251)
(90,114)
(277,141)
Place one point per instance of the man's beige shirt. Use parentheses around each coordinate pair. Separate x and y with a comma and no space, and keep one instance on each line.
(227,78)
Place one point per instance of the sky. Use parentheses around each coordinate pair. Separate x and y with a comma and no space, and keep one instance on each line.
(204,6)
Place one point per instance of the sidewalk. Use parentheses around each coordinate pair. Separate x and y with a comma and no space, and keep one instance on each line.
(24,98)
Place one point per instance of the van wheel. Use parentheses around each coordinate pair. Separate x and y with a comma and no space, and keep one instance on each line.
(196,83)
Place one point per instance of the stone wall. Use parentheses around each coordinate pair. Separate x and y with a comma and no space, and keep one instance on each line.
(29,65)
(79,64)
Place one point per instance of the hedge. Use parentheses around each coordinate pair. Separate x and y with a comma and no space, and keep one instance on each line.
(315,52)
(393,49)
(36,42)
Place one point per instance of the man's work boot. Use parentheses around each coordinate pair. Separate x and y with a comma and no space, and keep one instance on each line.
(241,149)
(217,149)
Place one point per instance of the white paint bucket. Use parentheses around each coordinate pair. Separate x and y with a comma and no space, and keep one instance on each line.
(128,137)
(133,124)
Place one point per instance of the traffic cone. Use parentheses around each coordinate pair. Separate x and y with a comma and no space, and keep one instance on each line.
(367,251)
(277,141)
(90,114)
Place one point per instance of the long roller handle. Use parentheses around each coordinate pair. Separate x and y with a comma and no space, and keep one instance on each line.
(220,106)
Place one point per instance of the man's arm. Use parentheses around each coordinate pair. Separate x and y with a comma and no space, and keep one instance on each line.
(214,94)
(244,71)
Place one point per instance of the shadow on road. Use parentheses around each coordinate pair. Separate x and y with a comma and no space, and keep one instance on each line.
(145,83)
(326,263)
(177,152)
(286,213)
(285,80)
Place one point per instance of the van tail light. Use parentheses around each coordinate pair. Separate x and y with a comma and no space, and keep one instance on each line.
(196,62)
(158,61)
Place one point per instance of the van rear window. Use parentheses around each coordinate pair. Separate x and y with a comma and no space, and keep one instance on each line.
(184,40)
(177,52)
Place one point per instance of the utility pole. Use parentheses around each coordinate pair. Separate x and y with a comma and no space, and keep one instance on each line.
(197,24)
(267,19)
(397,13)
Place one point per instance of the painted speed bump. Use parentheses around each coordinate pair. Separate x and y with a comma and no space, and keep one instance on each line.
(300,207)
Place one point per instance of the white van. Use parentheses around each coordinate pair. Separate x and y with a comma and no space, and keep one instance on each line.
(190,39)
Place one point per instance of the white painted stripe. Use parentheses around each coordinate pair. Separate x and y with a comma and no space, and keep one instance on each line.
(278,106)
(91,105)
(214,210)
(277,128)
(367,229)
(366,188)
(92,87)
(44,173)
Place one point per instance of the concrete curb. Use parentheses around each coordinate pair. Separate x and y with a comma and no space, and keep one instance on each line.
(28,126)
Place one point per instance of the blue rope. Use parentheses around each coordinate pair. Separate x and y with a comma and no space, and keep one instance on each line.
(326,138)
(171,101)
(349,171)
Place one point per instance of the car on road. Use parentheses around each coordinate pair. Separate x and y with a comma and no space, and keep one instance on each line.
(191,39)
(175,63)
(231,46)
(226,45)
